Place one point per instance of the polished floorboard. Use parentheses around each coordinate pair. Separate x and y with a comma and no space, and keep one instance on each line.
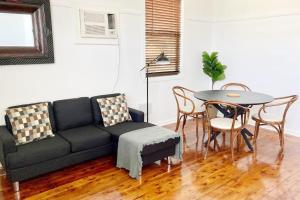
(270,176)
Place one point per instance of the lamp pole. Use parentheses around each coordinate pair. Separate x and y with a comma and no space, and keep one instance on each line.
(161,59)
(147,78)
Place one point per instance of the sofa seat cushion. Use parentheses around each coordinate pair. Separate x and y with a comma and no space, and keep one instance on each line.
(37,152)
(86,137)
(117,130)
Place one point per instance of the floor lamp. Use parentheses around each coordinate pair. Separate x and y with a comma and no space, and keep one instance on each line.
(161,59)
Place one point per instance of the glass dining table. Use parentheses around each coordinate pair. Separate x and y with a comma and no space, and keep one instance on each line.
(243,98)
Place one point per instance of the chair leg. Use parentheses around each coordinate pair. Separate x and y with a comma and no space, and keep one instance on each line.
(178,122)
(203,124)
(224,138)
(256,130)
(204,132)
(208,142)
(197,127)
(183,125)
(238,143)
(232,145)
(281,138)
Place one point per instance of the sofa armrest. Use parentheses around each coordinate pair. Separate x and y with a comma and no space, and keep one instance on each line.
(136,115)
(7,144)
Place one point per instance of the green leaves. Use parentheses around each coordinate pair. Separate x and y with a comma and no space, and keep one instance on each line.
(213,67)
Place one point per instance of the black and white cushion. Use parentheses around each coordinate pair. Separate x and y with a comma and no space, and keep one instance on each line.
(114,110)
(30,123)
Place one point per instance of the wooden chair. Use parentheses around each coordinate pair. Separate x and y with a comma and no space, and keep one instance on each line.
(223,125)
(186,107)
(235,86)
(263,117)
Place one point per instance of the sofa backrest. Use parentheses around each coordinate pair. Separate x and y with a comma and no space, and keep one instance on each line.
(72,113)
(96,109)
(51,116)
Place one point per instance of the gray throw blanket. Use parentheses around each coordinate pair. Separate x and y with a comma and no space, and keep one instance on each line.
(132,143)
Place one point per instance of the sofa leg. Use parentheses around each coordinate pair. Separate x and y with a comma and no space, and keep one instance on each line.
(16,186)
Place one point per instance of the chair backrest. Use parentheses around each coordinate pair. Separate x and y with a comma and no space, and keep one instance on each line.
(279,105)
(234,109)
(183,97)
(235,86)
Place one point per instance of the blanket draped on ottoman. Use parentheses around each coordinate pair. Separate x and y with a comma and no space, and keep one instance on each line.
(132,143)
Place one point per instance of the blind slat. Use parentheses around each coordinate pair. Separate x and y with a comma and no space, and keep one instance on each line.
(163,33)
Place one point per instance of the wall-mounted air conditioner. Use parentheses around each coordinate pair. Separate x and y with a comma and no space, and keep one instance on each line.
(98,24)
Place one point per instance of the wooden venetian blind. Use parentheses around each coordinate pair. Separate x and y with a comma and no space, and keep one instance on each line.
(163,31)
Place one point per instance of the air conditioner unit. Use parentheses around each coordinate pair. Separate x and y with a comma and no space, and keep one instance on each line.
(98,24)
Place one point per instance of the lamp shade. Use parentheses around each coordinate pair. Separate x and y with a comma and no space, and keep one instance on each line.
(162,59)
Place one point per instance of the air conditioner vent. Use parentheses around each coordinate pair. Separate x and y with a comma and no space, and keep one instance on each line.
(94,30)
(97,24)
(90,17)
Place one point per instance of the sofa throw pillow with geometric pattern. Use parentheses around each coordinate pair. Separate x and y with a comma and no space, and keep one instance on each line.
(114,110)
(30,123)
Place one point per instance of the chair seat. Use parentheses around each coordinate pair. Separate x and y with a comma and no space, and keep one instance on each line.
(224,123)
(266,117)
(188,108)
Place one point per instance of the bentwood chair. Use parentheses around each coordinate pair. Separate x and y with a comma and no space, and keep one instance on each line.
(235,86)
(186,107)
(226,125)
(265,117)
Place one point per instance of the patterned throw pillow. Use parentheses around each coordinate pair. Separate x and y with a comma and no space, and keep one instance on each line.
(114,110)
(30,123)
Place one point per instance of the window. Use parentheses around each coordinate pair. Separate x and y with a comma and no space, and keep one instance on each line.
(163,31)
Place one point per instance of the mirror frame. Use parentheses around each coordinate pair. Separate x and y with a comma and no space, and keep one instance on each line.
(42,52)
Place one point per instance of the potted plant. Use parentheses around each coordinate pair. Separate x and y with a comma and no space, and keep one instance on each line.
(213,67)
(215,70)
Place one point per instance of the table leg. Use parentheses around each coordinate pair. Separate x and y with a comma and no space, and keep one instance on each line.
(213,138)
(245,134)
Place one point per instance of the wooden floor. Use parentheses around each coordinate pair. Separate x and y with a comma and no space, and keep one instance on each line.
(271,176)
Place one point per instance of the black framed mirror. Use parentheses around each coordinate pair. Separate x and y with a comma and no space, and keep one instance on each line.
(25,32)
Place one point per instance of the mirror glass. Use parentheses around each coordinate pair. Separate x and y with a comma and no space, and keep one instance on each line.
(16,30)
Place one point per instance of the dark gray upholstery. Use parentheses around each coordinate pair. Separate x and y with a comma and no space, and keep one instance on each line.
(158,155)
(96,109)
(85,137)
(7,144)
(72,113)
(51,116)
(38,151)
(150,149)
(119,129)
(35,170)
(136,115)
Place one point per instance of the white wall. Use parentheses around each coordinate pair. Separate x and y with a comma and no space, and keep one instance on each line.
(259,42)
(87,70)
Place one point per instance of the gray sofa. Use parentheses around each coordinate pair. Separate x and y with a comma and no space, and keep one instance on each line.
(79,136)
